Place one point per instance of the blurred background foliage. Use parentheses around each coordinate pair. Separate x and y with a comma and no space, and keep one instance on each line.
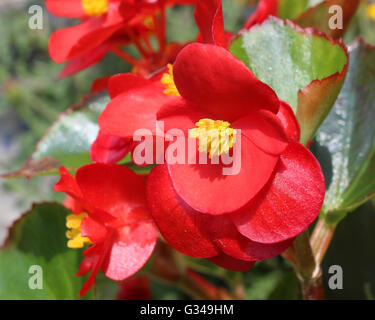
(31,99)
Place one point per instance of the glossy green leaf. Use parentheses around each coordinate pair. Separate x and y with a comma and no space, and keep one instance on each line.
(346,141)
(38,239)
(305,68)
(289,9)
(67,142)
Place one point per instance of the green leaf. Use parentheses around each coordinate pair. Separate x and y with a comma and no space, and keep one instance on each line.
(305,68)
(67,142)
(289,9)
(320,14)
(346,140)
(38,239)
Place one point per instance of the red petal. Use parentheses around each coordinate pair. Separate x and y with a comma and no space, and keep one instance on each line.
(66,8)
(67,184)
(86,60)
(227,238)
(289,204)
(180,225)
(264,10)
(224,261)
(111,188)
(127,257)
(125,82)
(220,84)
(95,231)
(133,110)
(265,130)
(209,18)
(109,149)
(206,189)
(71,42)
(73,205)
(289,121)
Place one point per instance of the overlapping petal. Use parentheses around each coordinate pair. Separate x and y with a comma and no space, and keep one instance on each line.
(289,203)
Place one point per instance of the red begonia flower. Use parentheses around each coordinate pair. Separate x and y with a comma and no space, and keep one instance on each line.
(134,105)
(117,221)
(265,9)
(279,190)
(100,22)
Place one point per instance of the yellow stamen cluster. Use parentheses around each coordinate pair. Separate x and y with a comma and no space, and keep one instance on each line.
(73,222)
(370,10)
(95,7)
(168,81)
(214,136)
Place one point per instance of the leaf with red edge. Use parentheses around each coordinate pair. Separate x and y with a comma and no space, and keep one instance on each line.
(304,67)
(67,142)
(346,140)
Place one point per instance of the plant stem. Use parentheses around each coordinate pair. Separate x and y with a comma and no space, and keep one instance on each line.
(321,239)
(307,270)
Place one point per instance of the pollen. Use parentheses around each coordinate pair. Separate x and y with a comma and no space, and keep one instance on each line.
(214,136)
(168,81)
(73,222)
(95,8)
(370,10)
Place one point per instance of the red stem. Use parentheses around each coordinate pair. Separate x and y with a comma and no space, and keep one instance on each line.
(124,56)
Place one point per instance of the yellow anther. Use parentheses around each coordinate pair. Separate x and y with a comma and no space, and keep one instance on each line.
(73,222)
(95,7)
(214,136)
(168,81)
(370,10)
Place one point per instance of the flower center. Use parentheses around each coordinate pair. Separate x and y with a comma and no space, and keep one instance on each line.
(214,136)
(95,7)
(168,81)
(73,222)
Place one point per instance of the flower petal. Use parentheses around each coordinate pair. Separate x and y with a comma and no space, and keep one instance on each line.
(227,238)
(227,262)
(109,149)
(111,188)
(265,130)
(289,121)
(220,84)
(126,258)
(209,17)
(206,189)
(180,225)
(66,8)
(264,10)
(289,203)
(133,110)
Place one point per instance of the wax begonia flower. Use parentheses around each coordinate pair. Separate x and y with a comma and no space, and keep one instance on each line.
(110,215)
(257,213)
(106,25)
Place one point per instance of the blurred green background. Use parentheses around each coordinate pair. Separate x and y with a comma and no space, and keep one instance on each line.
(31,99)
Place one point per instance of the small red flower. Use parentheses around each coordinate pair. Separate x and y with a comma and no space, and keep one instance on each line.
(111,215)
